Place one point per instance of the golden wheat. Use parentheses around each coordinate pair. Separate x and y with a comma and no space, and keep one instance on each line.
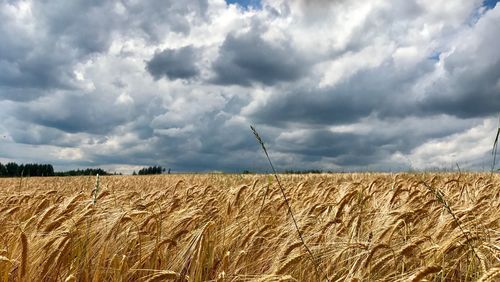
(24,253)
(217,227)
(492,273)
(424,272)
(164,275)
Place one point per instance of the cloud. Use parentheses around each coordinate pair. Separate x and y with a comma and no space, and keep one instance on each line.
(369,143)
(100,115)
(42,43)
(80,25)
(248,58)
(343,85)
(467,82)
(157,18)
(174,63)
(354,97)
(469,148)
(395,81)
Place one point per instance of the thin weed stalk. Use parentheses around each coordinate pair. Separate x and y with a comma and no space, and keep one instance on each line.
(495,146)
(287,202)
(440,197)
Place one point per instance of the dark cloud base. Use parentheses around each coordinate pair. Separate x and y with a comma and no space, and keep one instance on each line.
(174,64)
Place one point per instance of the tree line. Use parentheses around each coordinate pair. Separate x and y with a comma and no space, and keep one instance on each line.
(13,169)
(291,171)
(151,170)
(87,171)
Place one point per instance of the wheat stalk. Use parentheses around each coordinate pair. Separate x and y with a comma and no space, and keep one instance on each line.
(492,273)
(259,139)
(164,275)
(96,189)
(424,272)
(24,253)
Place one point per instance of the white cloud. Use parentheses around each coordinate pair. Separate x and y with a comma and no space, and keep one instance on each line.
(124,98)
(350,63)
(72,154)
(471,148)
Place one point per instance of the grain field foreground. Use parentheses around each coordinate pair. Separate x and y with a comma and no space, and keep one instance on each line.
(359,227)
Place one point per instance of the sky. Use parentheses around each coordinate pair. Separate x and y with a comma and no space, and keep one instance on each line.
(333,85)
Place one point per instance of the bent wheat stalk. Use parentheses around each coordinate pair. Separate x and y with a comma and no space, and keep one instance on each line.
(440,197)
(495,146)
(282,190)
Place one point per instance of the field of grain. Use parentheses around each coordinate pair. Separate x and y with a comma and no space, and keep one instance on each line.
(358,227)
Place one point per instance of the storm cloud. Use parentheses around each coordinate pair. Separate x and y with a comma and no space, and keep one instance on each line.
(174,63)
(248,58)
(343,85)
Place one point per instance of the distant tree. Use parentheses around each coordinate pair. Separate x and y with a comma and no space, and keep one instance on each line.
(87,171)
(3,170)
(151,170)
(12,169)
(306,171)
(49,170)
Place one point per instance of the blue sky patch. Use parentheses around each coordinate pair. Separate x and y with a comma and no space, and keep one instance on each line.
(246,3)
(434,56)
(490,4)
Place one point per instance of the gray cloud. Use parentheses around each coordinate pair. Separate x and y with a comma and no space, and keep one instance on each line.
(64,33)
(365,93)
(248,58)
(40,50)
(466,86)
(82,26)
(369,142)
(471,85)
(370,93)
(156,18)
(174,63)
(66,113)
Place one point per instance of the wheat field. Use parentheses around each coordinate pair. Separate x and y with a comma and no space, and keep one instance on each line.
(217,227)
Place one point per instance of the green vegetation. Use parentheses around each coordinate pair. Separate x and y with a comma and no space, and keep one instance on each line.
(87,171)
(151,170)
(14,170)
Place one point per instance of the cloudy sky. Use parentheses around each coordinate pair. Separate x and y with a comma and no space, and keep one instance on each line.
(332,85)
